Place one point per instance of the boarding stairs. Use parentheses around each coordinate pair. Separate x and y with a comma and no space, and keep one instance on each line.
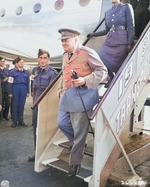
(117,120)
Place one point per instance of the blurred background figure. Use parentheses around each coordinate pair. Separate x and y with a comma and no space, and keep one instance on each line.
(4,76)
(14,62)
(142,15)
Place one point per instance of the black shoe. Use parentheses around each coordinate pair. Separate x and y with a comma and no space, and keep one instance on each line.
(74,169)
(31,159)
(22,124)
(7,119)
(14,125)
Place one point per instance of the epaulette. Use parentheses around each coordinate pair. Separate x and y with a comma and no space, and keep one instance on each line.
(56,72)
(86,48)
(124,4)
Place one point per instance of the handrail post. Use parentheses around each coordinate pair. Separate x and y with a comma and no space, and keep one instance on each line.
(121,147)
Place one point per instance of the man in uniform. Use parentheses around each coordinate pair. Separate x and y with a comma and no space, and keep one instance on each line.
(42,76)
(19,90)
(72,117)
(14,62)
(4,75)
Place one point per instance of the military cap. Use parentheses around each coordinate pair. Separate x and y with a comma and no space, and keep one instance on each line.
(41,52)
(16,60)
(68,33)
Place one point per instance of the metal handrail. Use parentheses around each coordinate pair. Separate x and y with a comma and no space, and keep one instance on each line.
(118,73)
(46,90)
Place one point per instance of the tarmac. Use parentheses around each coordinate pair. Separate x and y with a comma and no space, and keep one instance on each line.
(16,144)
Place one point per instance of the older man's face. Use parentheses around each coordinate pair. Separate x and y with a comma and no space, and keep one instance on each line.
(69,44)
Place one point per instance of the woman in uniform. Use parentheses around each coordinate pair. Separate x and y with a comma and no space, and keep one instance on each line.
(120,36)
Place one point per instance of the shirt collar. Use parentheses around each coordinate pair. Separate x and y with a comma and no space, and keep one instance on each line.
(46,68)
(1,67)
(20,69)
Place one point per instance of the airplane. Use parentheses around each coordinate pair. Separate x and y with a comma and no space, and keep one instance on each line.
(26,26)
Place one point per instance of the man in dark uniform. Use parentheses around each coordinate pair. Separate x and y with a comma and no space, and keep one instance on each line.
(14,62)
(72,117)
(19,90)
(41,77)
(0,100)
(4,75)
(142,16)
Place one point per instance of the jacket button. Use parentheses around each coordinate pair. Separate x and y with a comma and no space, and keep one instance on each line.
(66,80)
(66,72)
(66,88)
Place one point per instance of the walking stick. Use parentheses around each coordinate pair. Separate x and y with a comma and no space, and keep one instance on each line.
(75,76)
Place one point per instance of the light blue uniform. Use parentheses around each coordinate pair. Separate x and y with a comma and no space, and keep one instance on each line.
(19,89)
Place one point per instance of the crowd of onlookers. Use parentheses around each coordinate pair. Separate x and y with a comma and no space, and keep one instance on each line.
(14,88)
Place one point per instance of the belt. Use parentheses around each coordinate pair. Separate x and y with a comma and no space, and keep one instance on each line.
(81,86)
(113,29)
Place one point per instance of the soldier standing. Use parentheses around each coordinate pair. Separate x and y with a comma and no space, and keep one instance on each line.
(4,73)
(41,77)
(19,90)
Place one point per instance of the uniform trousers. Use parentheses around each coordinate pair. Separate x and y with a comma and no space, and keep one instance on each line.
(5,104)
(34,118)
(19,97)
(75,126)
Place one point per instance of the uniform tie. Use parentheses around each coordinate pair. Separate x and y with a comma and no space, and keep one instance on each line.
(70,55)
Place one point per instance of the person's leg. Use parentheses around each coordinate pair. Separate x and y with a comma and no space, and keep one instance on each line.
(2,112)
(80,124)
(111,75)
(35,113)
(15,104)
(34,120)
(6,104)
(22,99)
(65,125)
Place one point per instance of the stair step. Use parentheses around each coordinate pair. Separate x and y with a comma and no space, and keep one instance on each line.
(88,153)
(67,145)
(64,166)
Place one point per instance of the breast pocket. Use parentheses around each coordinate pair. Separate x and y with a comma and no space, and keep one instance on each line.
(24,78)
(17,78)
(44,82)
(81,66)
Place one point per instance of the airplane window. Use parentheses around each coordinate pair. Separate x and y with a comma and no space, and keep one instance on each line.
(19,10)
(2,12)
(37,7)
(59,4)
(84,2)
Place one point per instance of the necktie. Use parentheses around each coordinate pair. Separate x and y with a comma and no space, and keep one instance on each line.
(70,55)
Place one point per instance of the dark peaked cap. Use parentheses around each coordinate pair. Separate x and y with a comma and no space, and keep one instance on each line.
(16,60)
(68,33)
